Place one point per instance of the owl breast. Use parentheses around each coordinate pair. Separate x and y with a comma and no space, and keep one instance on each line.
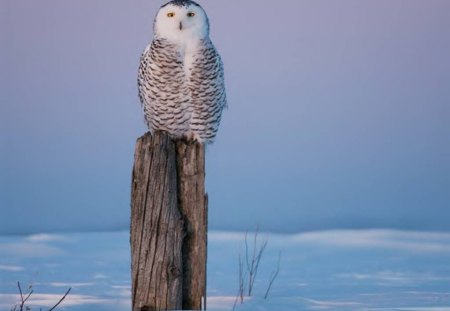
(182,89)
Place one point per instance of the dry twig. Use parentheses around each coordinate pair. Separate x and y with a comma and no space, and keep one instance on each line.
(273,276)
(253,262)
(242,278)
(23,300)
(68,291)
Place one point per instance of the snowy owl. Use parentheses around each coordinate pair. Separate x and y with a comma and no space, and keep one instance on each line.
(181,78)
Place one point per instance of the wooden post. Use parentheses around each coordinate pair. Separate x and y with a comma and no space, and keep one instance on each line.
(168,224)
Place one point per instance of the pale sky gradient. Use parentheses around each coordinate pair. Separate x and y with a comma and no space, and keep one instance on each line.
(339,114)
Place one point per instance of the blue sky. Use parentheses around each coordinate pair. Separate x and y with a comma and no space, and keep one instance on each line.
(339,114)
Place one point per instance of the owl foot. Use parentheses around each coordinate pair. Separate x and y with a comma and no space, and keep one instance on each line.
(192,138)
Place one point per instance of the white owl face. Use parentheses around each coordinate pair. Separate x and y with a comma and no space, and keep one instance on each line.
(181,20)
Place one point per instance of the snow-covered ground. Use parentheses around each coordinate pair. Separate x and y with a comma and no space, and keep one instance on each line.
(330,270)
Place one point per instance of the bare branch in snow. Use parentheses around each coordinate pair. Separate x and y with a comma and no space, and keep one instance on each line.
(273,276)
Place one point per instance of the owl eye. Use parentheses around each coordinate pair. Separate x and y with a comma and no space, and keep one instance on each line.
(170,14)
(191,14)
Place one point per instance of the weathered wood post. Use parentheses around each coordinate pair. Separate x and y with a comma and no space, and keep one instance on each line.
(168,224)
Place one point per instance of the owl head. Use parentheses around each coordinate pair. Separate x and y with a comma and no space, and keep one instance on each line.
(181,19)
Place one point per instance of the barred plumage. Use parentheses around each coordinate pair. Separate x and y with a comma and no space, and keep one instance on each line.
(181,78)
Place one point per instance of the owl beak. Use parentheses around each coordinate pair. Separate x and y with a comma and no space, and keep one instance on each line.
(181,26)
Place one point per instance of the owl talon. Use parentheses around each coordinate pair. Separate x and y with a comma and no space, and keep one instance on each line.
(190,138)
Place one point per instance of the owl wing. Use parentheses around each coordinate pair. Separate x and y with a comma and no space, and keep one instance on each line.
(207,87)
(143,82)
(162,92)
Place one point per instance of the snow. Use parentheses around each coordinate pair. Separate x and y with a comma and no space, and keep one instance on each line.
(328,270)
